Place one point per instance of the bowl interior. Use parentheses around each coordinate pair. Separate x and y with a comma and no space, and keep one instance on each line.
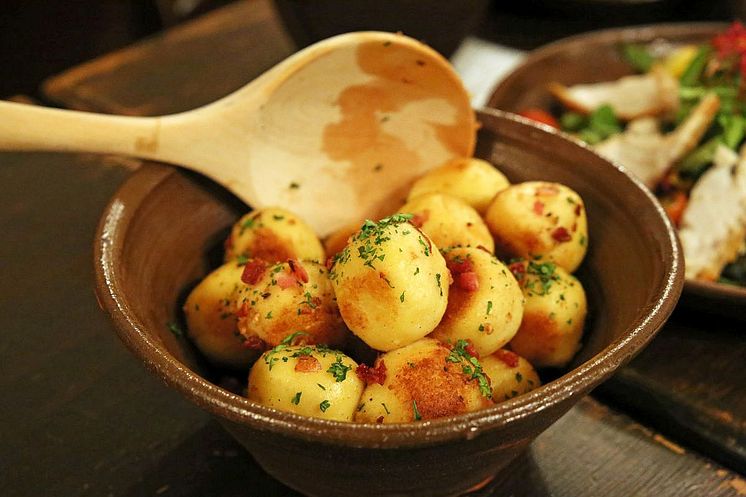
(163,231)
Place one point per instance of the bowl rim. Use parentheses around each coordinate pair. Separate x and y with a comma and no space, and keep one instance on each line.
(123,208)
(710,290)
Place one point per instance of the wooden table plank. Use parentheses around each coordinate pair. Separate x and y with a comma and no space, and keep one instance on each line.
(182,69)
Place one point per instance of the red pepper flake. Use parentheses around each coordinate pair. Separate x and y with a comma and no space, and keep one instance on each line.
(561,234)
(468,281)
(307,364)
(577,210)
(507,357)
(379,420)
(329,262)
(419,219)
(298,270)
(539,207)
(370,375)
(253,271)
(254,343)
(469,349)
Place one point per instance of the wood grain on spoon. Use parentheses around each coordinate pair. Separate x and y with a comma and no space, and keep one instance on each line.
(336,132)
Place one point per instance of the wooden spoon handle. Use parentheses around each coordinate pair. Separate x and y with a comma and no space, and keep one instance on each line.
(28,127)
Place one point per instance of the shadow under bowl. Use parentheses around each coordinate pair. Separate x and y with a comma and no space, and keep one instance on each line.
(153,243)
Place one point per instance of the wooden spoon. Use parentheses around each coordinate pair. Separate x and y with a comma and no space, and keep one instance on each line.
(335,133)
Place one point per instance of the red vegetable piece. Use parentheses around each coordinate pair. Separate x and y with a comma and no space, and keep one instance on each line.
(307,364)
(469,349)
(541,116)
(539,207)
(254,343)
(298,270)
(518,269)
(285,280)
(459,265)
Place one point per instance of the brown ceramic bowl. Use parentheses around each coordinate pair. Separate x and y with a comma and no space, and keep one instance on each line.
(154,242)
(594,57)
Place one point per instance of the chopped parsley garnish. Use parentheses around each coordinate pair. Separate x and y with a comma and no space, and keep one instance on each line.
(175,329)
(470,366)
(246,225)
(278,217)
(547,275)
(269,315)
(324,405)
(241,260)
(417,415)
(293,185)
(401,297)
(518,377)
(425,247)
(338,370)
(321,386)
(296,399)
(385,408)
(489,306)
(270,357)
(437,278)
(416,271)
(309,301)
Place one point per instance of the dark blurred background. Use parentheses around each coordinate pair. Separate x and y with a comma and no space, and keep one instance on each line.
(39,38)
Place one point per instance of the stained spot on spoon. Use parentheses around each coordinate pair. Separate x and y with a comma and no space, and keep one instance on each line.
(364,137)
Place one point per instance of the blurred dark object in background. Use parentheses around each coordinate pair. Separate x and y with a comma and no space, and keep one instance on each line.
(442,24)
(39,38)
(527,24)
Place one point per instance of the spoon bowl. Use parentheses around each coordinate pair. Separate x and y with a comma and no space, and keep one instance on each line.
(337,131)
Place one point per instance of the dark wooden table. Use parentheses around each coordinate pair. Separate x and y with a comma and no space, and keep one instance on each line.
(81,417)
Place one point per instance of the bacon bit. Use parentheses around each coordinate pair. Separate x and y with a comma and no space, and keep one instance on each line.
(307,364)
(298,270)
(419,219)
(468,281)
(243,311)
(488,328)
(561,234)
(507,357)
(370,375)
(329,262)
(254,343)
(518,269)
(458,266)
(285,281)
(469,349)
(539,207)
(253,271)
(577,210)
(379,420)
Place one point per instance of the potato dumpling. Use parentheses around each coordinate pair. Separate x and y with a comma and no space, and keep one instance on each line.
(336,242)
(210,311)
(485,303)
(510,374)
(391,283)
(448,221)
(283,298)
(553,316)
(424,380)
(472,180)
(273,235)
(543,220)
(311,381)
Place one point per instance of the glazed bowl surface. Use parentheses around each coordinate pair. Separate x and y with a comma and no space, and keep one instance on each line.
(163,231)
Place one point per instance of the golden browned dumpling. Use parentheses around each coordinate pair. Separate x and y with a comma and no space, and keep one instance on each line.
(485,303)
(274,235)
(474,181)
(553,316)
(210,312)
(510,374)
(284,298)
(336,242)
(448,221)
(308,380)
(539,220)
(424,380)
(391,283)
